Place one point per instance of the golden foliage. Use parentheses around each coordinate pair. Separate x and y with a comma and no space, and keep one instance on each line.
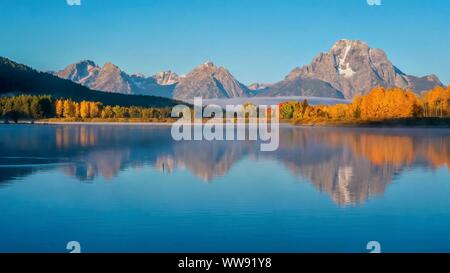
(436,102)
(84,109)
(69,109)
(389,104)
(59,108)
(379,104)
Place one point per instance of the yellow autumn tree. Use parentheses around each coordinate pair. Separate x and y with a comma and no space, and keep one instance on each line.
(59,108)
(354,109)
(299,110)
(94,109)
(339,112)
(84,109)
(69,110)
(436,102)
(76,106)
(389,104)
(107,112)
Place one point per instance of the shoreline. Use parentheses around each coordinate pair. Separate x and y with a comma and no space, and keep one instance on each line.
(100,123)
(423,123)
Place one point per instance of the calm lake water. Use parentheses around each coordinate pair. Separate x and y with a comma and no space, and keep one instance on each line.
(132,188)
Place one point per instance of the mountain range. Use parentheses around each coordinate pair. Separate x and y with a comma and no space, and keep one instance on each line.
(349,68)
(110,78)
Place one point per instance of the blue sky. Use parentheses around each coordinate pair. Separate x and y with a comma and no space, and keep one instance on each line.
(257,40)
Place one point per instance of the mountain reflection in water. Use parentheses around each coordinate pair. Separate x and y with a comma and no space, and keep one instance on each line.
(349,164)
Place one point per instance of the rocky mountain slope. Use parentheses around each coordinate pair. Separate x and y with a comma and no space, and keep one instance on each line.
(110,78)
(209,81)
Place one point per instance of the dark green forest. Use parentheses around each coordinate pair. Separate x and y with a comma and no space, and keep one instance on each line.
(26,107)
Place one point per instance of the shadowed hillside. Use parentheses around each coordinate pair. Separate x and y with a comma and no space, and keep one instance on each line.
(18,78)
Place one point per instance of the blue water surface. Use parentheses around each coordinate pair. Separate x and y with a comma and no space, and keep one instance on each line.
(132,188)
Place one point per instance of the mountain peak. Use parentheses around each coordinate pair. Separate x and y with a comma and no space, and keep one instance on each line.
(209,68)
(78,71)
(209,64)
(110,65)
(351,66)
(209,81)
(347,42)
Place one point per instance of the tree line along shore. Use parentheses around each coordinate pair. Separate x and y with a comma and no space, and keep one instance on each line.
(47,108)
(379,106)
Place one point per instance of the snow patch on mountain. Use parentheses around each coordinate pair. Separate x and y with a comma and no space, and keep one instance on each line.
(344,67)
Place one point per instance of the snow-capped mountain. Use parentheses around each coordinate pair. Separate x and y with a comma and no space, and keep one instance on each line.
(355,68)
